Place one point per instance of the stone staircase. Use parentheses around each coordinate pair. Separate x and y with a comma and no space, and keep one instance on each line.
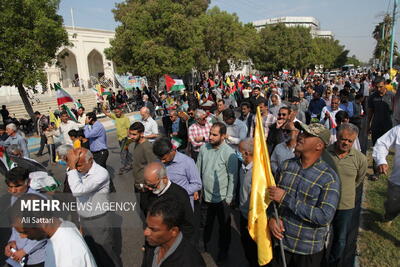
(17,108)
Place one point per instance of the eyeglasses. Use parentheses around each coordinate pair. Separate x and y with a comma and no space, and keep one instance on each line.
(153,186)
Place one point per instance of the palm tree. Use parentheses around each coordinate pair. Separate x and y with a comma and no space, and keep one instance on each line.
(382,35)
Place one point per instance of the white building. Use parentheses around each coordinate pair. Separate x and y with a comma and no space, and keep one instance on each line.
(80,65)
(308,22)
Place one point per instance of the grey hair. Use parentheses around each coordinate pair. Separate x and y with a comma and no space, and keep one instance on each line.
(161,172)
(12,126)
(248,145)
(14,149)
(198,113)
(62,150)
(88,155)
(347,127)
(146,109)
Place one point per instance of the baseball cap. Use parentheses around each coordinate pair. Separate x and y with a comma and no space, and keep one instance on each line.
(315,129)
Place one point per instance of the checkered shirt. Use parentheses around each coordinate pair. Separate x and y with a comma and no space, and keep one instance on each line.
(308,206)
(197,130)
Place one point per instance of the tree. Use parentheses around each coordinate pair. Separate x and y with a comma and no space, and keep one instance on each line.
(157,37)
(225,38)
(280,47)
(382,35)
(328,52)
(354,60)
(31,32)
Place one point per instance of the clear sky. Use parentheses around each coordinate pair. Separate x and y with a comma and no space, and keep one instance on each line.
(351,21)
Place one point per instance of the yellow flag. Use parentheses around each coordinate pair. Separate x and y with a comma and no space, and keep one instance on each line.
(54,119)
(229,82)
(262,178)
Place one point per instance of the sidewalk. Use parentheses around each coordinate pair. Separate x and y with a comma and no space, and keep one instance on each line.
(109,124)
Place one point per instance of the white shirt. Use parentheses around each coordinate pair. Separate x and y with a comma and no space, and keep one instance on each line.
(150,127)
(65,128)
(67,248)
(237,132)
(246,93)
(92,187)
(82,120)
(389,140)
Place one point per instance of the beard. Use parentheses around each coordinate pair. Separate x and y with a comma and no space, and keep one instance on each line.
(160,189)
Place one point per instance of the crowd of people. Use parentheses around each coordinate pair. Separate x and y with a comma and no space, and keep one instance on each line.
(195,167)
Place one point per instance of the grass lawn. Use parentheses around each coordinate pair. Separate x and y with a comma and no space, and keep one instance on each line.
(377,241)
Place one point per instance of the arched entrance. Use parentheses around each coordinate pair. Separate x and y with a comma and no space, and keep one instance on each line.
(95,63)
(69,69)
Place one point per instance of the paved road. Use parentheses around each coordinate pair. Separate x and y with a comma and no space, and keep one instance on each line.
(132,234)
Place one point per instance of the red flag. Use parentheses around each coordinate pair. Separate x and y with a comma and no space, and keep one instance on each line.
(169,82)
(212,83)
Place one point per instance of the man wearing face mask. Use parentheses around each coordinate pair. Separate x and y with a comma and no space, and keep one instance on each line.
(157,181)
(90,184)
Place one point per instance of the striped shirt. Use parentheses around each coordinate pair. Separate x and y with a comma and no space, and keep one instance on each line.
(308,206)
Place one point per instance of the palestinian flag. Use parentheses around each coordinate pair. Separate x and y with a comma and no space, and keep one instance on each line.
(70,113)
(62,95)
(211,82)
(101,91)
(173,84)
(7,163)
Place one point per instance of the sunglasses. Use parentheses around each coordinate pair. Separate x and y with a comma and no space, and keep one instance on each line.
(153,186)
(282,114)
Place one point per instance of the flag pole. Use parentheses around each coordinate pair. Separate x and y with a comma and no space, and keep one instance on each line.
(280,240)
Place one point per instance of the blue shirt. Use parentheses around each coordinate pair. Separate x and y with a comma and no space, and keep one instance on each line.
(17,140)
(96,134)
(34,248)
(183,171)
(175,125)
(348,107)
(316,106)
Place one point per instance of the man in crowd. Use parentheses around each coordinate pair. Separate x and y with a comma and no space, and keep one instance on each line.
(67,125)
(255,99)
(181,169)
(285,150)
(246,116)
(380,109)
(267,118)
(96,133)
(316,105)
(122,124)
(246,148)
(199,132)
(143,155)
(218,167)
(168,247)
(65,246)
(41,121)
(220,108)
(81,116)
(236,130)
(147,104)
(150,125)
(4,113)
(391,139)
(157,182)
(351,166)
(14,138)
(178,129)
(308,192)
(276,130)
(345,103)
(90,182)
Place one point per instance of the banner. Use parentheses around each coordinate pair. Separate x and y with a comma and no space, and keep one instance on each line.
(129,82)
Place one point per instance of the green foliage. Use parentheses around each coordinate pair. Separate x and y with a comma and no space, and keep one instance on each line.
(225,38)
(157,37)
(280,47)
(382,35)
(31,32)
(354,60)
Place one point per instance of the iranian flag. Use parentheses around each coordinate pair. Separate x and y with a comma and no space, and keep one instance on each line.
(176,142)
(70,113)
(173,84)
(62,95)
(255,79)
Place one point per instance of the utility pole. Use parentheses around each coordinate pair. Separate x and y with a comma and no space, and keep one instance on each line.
(392,37)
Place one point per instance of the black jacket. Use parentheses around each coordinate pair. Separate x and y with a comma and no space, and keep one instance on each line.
(185,255)
(248,122)
(180,195)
